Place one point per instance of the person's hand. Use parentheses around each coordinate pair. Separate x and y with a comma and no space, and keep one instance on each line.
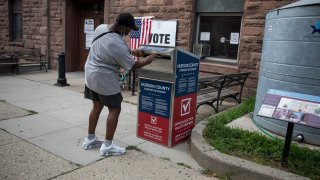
(150,58)
(137,53)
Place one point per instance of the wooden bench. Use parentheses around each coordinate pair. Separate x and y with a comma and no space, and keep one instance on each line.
(7,60)
(17,59)
(213,91)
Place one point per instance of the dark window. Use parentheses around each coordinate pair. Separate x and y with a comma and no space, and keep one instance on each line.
(15,20)
(220,34)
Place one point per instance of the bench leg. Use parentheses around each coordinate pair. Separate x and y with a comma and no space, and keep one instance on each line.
(233,97)
(43,64)
(216,109)
(18,69)
(208,103)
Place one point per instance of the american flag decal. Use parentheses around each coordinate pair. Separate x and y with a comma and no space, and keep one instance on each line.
(143,34)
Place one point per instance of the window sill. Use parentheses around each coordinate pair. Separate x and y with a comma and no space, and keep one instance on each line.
(218,65)
(16,43)
(220,60)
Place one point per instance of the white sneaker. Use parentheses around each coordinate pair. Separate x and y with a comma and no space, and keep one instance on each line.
(112,150)
(93,143)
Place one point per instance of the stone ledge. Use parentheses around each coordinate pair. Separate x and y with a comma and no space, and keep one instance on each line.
(211,159)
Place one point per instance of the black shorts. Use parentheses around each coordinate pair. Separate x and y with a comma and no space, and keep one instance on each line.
(112,101)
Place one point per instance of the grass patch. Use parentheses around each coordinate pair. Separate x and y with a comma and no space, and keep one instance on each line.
(209,173)
(257,147)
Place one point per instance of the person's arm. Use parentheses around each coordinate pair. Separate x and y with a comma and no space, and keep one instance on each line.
(140,63)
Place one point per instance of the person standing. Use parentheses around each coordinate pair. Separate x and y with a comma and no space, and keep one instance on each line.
(108,53)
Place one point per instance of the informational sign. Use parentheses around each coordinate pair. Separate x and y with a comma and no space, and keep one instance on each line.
(154,110)
(163,33)
(186,86)
(292,107)
(187,70)
(88,26)
(89,40)
(205,36)
(234,38)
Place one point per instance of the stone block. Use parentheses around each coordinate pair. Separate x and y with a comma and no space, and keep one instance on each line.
(145,9)
(43,30)
(253,23)
(255,56)
(252,31)
(252,39)
(254,14)
(172,9)
(154,9)
(253,5)
(155,2)
(244,56)
(125,3)
(251,47)
(43,12)
(29,44)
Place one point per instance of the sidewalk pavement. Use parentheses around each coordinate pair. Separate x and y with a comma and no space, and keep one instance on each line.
(42,128)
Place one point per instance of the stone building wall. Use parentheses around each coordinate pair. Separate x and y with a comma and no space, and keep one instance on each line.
(181,10)
(32,17)
(4,23)
(56,31)
(251,38)
(35,28)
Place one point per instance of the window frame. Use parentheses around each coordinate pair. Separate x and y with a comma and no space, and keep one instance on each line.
(12,36)
(197,34)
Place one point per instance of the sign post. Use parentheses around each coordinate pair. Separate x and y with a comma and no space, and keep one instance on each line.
(295,108)
(287,144)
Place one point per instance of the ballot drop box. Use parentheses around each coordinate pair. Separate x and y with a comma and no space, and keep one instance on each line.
(167,96)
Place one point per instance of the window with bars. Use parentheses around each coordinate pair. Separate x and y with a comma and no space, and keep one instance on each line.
(219,33)
(15,20)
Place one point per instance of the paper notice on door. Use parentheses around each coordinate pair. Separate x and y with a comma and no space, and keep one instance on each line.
(88,26)
(88,40)
(205,36)
(234,38)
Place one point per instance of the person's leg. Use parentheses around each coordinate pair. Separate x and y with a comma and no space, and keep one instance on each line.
(112,122)
(94,116)
(91,141)
(108,148)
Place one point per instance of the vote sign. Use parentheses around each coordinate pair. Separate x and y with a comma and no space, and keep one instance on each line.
(163,33)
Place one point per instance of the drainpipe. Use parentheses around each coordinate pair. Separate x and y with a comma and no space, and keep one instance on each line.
(48,35)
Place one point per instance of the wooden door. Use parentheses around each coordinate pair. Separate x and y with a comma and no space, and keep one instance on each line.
(92,11)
